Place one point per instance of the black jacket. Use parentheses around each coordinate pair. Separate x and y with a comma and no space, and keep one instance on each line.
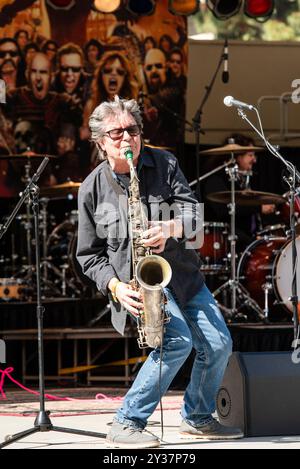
(104,248)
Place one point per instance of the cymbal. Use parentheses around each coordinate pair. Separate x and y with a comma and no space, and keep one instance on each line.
(159,147)
(61,190)
(27,154)
(247,197)
(230,148)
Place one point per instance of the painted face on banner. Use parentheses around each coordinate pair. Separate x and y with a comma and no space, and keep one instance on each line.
(40,75)
(70,71)
(175,64)
(113,76)
(155,69)
(22,39)
(51,51)
(92,54)
(9,57)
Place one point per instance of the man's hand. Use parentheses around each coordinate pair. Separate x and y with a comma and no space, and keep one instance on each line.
(128,297)
(158,233)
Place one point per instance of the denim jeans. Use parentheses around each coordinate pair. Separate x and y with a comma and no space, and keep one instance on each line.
(201,326)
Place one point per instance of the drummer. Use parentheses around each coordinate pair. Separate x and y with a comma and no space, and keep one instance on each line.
(248,219)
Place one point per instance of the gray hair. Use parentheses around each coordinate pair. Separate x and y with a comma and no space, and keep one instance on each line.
(108,109)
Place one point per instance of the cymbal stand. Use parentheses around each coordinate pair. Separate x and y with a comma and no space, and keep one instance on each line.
(42,422)
(28,225)
(47,285)
(233,284)
(44,219)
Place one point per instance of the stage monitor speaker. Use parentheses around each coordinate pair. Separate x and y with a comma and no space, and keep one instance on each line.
(260,394)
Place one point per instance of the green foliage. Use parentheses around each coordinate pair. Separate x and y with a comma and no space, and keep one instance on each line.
(284,25)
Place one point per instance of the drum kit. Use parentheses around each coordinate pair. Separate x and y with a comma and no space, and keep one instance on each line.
(61,273)
(261,278)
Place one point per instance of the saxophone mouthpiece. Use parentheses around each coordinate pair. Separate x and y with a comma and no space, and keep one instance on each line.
(128,154)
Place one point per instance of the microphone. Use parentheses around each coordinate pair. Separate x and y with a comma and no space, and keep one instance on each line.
(225,74)
(40,169)
(230,101)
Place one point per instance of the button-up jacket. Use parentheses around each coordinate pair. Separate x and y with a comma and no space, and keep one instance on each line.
(104,248)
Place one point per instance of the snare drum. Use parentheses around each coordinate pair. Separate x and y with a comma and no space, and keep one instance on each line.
(214,250)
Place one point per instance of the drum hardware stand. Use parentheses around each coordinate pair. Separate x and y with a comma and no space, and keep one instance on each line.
(47,285)
(294,177)
(64,285)
(61,277)
(28,225)
(101,313)
(233,283)
(44,204)
(42,422)
(266,288)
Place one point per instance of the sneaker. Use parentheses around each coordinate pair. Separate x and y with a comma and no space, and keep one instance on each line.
(122,436)
(213,430)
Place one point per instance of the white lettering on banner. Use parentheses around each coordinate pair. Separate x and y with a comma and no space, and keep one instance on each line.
(296,94)
(296,352)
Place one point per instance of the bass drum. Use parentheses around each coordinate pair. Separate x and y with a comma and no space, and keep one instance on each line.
(283,273)
(61,256)
(267,261)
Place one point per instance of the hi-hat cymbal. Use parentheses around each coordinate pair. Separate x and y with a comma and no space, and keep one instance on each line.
(26,155)
(230,148)
(247,197)
(60,190)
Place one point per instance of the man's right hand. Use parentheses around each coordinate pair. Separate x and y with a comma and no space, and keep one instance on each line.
(129,298)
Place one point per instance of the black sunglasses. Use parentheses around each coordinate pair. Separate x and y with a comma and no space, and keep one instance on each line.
(73,69)
(116,134)
(150,66)
(119,71)
(12,53)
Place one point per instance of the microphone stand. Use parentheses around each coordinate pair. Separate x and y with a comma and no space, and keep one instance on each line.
(291,180)
(198,118)
(42,422)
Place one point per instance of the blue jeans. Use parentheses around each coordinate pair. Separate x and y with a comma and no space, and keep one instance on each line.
(201,326)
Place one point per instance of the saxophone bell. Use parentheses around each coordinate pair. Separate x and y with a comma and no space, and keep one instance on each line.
(153,273)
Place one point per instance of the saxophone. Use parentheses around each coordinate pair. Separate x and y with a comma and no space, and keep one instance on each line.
(150,272)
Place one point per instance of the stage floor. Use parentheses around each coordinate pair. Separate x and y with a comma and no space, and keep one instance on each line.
(84,412)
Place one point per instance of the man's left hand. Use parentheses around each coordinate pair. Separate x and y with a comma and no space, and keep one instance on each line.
(158,233)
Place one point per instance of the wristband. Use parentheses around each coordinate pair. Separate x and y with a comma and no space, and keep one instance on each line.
(113,290)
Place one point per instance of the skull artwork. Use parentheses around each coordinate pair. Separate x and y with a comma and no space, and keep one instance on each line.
(25,136)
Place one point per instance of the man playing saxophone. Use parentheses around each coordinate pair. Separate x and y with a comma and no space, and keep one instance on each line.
(105,254)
